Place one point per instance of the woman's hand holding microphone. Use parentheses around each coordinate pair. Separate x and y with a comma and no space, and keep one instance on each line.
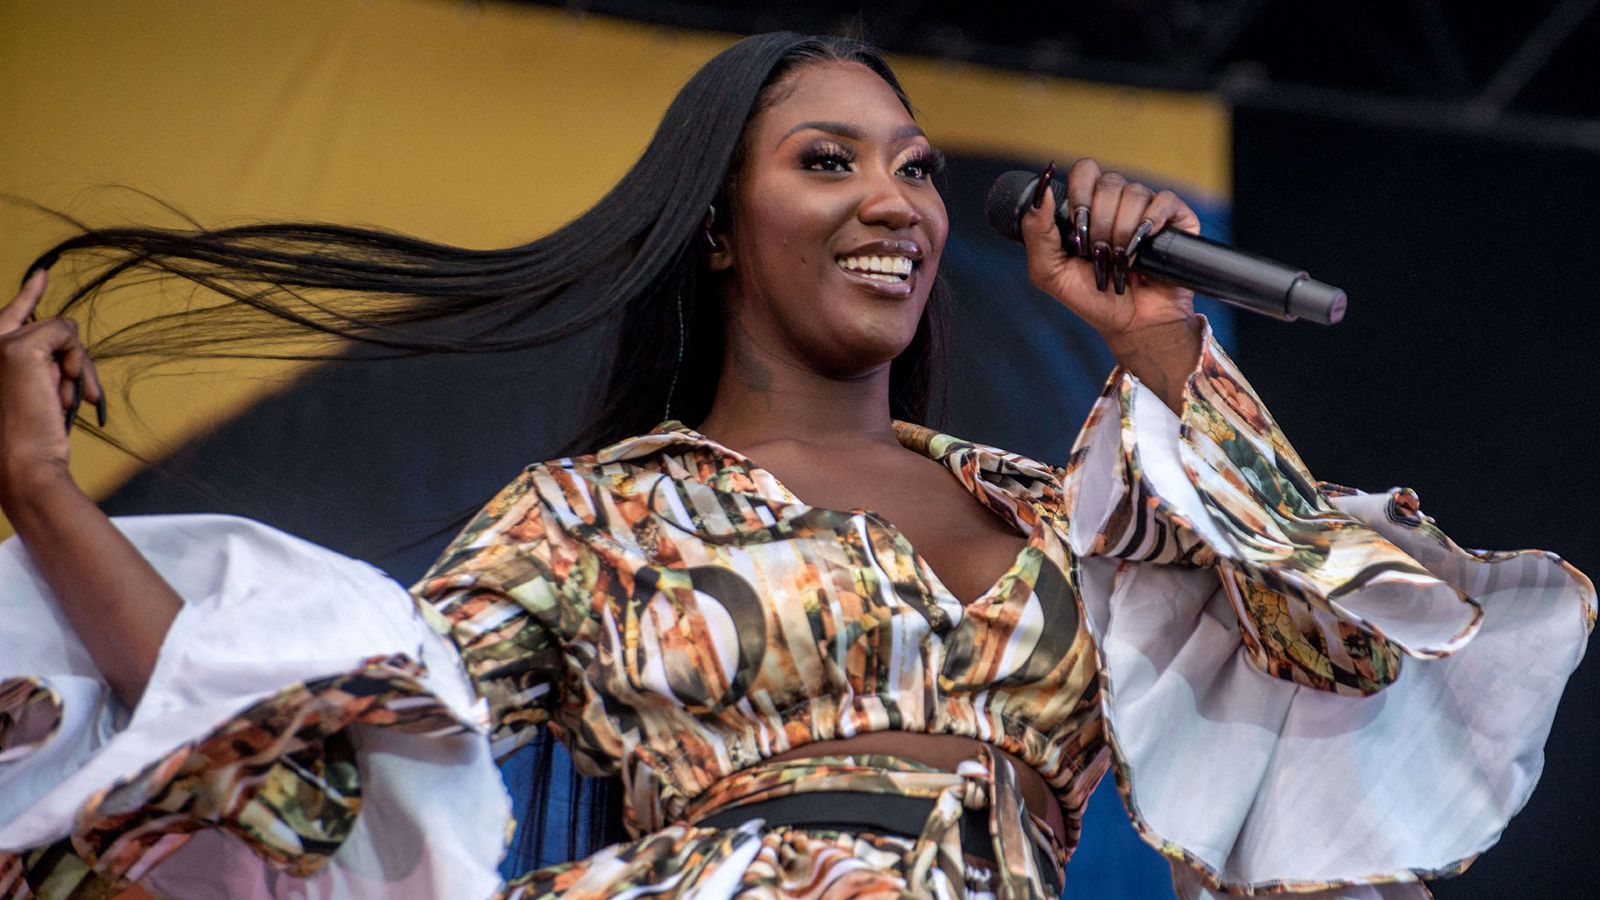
(1149,325)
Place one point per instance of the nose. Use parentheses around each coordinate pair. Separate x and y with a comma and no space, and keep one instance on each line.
(887,204)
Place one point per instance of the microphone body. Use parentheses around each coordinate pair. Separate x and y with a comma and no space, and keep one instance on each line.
(1233,276)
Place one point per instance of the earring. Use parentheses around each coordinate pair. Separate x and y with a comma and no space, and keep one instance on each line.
(712,244)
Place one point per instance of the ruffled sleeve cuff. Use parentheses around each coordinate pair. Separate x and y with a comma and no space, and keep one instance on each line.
(1381,773)
(1322,599)
(301,722)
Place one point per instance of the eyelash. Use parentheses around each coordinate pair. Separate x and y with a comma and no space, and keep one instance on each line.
(930,162)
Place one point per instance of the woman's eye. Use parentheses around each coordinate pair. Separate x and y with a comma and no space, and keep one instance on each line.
(827,161)
(923,166)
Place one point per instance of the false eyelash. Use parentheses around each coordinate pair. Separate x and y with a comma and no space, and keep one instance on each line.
(818,153)
(931,160)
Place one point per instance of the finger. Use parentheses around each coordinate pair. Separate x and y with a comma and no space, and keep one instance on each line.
(1131,211)
(1102,218)
(77,399)
(15,313)
(51,342)
(73,361)
(47,336)
(1133,208)
(1168,210)
(68,392)
(94,390)
(1042,238)
(1080,192)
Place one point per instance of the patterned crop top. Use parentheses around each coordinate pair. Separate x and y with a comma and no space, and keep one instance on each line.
(675,614)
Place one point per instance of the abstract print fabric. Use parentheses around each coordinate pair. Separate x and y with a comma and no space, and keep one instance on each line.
(752,861)
(1255,655)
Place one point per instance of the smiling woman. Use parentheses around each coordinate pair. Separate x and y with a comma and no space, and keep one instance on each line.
(803,243)
(827,650)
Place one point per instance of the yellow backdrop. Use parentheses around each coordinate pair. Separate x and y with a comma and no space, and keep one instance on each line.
(477,124)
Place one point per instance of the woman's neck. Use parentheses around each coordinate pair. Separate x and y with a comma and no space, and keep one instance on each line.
(764,396)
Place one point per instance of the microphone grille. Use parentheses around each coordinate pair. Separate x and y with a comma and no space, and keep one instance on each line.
(1003,208)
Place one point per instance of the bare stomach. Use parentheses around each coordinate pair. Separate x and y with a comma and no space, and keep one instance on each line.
(942,751)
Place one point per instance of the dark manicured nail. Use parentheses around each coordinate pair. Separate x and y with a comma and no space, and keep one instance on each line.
(42,264)
(1080,229)
(1102,264)
(1119,270)
(1042,188)
(100,410)
(1139,234)
(77,399)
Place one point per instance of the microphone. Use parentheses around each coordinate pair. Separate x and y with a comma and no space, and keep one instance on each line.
(1233,276)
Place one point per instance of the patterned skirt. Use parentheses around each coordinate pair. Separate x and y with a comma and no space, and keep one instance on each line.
(755,861)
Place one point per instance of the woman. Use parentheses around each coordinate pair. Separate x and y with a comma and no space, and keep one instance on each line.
(802,696)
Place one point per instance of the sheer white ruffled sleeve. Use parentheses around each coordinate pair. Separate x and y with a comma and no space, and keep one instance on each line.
(304,733)
(1307,688)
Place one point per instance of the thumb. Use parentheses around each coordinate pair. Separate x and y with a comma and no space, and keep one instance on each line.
(1047,259)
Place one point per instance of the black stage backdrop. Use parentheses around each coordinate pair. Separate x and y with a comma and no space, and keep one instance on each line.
(1466,369)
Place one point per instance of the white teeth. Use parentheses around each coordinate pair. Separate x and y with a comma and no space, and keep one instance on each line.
(897,268)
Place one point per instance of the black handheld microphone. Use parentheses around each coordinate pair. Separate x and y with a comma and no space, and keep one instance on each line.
(1233,276)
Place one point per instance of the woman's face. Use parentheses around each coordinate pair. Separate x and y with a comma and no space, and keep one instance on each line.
(836,228)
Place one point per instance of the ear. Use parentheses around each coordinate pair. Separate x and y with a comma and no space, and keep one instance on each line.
(718,240)
(721,258)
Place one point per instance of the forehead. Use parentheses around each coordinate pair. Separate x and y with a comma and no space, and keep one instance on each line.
(846,92)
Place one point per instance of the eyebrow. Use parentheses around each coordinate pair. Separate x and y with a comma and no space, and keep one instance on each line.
(846,130)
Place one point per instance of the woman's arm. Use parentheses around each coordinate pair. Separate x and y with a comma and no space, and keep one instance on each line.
(1162,358)
(115,600)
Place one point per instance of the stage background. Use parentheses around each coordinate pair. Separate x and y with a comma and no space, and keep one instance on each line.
(488,124)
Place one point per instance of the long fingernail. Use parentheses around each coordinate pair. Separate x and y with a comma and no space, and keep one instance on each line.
(1043,186)
(1119,270)
(1139,234)
(77,398)
(1080,230)
(1102,263)
(100,410)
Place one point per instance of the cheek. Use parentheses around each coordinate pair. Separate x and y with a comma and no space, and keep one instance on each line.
(784,242)
(938,224)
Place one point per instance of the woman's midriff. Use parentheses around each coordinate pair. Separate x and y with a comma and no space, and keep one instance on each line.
(942,751)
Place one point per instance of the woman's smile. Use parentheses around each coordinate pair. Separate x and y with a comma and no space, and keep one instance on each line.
(887,267)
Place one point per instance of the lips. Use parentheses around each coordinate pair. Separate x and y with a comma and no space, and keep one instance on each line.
(885,265)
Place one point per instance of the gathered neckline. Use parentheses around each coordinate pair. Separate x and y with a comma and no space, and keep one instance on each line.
(760,475)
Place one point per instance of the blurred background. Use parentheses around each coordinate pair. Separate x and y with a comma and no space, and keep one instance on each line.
(1441,162)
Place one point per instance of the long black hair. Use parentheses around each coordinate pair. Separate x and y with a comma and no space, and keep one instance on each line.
(633,262)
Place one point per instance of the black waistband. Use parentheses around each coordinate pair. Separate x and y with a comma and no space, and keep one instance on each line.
(878,813)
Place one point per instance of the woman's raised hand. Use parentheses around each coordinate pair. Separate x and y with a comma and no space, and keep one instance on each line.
(119,605)
(1149,325)
(45,373)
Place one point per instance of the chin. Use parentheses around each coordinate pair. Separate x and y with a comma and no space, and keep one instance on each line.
(862,355)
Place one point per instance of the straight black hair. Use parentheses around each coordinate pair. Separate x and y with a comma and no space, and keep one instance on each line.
(633,262)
